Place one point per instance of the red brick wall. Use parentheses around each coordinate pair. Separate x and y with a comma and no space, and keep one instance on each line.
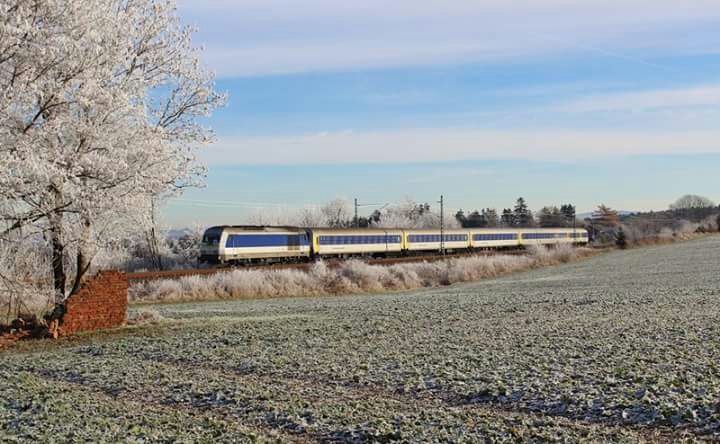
(100,303)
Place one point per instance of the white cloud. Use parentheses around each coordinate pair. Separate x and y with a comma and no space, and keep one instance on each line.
(425,145)
(302,10)
(256,37)
(291,57)
(700,96)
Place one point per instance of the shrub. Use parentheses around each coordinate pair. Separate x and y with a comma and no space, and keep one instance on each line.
(620,239)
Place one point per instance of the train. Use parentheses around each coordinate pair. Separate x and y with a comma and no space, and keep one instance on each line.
(245,244)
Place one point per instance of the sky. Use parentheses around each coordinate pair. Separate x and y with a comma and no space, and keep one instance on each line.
(558,101)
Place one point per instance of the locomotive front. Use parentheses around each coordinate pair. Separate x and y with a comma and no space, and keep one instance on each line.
(210,248)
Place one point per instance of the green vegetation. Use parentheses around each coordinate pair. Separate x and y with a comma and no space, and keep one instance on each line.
(620,347)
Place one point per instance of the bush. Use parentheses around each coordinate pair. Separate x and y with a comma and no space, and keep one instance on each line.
(620,239)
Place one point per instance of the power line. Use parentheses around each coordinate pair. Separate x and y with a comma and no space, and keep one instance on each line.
(357,205)
(442,225)
(230,204)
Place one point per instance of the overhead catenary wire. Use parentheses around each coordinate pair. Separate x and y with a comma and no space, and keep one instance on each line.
(231,204)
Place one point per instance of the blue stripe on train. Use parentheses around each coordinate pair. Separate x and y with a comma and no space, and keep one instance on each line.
(426,238)
(265,240)
(359,240)
(495,236)
(544,235)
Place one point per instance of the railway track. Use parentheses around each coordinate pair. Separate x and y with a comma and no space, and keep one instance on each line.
(175,274)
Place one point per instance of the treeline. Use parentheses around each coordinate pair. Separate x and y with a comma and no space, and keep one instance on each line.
(519,216)
(688,214)
(339,213)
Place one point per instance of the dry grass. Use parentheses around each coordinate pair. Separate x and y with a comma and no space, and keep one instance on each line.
(145,316)
(351,277)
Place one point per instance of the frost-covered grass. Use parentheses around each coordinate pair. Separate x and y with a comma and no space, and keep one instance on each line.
(353,276)
(620,347)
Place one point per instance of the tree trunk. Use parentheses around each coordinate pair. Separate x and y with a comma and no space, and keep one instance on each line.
(84,255)
(155,253)
(55,220)
(58,257)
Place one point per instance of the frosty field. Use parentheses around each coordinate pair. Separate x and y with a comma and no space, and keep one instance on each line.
(624,346)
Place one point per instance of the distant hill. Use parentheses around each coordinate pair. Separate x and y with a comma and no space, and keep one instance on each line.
(177,233)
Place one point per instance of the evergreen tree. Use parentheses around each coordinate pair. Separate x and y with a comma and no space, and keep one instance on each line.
(491,217)
(569,214)
(460,217)
(551,217)
(508,218)
(522,217)
(476,220)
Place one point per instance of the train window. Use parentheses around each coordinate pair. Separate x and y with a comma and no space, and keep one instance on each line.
(492,237)
(212,236)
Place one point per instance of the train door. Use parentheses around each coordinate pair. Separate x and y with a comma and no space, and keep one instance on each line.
(312,243)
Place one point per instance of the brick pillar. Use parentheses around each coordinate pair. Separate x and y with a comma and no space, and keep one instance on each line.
(100,303)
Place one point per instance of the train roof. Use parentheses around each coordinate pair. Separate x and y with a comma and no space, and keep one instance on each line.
(370,230)
(257,227)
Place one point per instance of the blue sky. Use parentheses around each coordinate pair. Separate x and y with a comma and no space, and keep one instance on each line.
(558,101)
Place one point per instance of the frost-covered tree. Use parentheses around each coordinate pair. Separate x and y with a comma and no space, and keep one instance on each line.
(691,201)
(311,217)
(337,213)
(410,214)
(100,103)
